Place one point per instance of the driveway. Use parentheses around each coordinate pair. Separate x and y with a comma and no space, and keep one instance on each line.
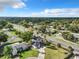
(41,53)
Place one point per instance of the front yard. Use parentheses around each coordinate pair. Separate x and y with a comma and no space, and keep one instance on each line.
(58,53)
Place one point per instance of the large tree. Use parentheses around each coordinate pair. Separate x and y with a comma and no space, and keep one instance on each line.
(3,37)
(10,26)
(3,24)
(24,23)
(7,52)
(27,36)
(74,28)
(68,36)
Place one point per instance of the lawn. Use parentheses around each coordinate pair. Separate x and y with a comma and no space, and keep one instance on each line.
(55,53)
(13,33)
(4,57)
(30,53)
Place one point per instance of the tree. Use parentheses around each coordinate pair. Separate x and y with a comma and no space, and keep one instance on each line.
(3,24)
(27,36)
(74,28)
(24,23)
(7,52)
(59,45)
(43,29)
(3,37)
(68,36)
(71,49)
(10,26)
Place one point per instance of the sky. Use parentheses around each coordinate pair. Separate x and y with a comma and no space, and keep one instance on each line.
(39,8)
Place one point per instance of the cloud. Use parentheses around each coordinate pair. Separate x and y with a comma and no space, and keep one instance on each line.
(63,12)
(12,3)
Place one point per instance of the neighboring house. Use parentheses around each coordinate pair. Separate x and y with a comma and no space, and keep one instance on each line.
(1,50)
(19,47)
(76,37)
(2,44)
(37,42)
(76,54)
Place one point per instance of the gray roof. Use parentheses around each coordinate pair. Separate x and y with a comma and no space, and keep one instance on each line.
(76,35)
(76,52)
(19,47)
(37,42)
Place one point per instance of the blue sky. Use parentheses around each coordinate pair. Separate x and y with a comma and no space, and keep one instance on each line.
(39,8)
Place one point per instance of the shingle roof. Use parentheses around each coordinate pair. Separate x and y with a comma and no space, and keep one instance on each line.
(18,47)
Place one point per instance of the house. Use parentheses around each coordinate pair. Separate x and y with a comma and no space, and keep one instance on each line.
(37,42)
(76,53)
(18,47)
(76,37)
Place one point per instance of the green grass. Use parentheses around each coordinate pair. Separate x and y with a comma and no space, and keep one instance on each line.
(30,53)
(55,54)
(13,33)
(4,57)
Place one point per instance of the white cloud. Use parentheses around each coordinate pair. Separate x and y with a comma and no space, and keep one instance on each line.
(11,3)
(64,12)
(18,5)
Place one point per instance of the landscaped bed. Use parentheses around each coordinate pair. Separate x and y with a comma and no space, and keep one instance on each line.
(58,53)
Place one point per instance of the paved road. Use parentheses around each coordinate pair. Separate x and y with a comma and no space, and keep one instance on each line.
(76,57)
(8,33)
(41,53)
(16,58)
(64,43)
(12,37)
